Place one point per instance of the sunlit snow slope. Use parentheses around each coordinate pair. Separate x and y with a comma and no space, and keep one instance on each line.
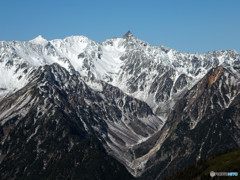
(156,75)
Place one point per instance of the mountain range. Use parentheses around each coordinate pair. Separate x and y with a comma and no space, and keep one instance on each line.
(121,108)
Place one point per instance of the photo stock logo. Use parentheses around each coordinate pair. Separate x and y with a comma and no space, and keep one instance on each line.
(212,174)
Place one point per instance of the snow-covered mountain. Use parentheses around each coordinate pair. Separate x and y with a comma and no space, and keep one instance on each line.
(123,91)
(128,63)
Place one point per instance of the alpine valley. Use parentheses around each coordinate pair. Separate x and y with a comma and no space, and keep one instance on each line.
(121,109)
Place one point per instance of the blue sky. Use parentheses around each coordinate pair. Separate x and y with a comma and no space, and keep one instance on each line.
(184,25)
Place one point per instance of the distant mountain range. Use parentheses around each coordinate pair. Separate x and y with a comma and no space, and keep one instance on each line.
(97,107)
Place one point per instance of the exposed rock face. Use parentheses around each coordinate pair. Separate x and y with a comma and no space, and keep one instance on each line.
(203,123)
(55,104)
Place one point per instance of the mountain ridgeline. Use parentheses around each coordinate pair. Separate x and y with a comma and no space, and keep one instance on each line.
(76,109)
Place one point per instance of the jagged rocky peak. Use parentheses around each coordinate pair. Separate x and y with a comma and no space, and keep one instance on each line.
(39,40)
(128,35)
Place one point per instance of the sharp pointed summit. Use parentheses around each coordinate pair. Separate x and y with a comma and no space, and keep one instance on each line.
(128,35)
(39,40)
